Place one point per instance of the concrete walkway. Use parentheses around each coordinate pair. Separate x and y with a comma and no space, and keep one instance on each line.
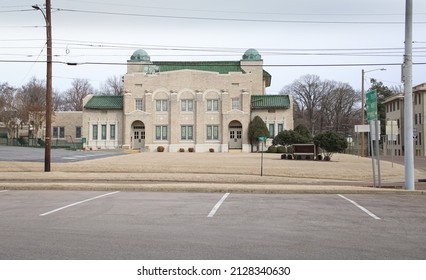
(209,172)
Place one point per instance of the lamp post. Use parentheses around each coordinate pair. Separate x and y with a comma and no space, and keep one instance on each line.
(363,104)
(47,148)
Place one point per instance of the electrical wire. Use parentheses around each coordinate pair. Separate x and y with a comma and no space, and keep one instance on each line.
(232,19)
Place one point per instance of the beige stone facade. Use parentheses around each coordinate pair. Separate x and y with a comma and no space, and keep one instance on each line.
(199,106)
(66,126)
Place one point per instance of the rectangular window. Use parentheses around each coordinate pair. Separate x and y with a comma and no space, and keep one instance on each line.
(78,132)
(212,105)
(62,132)
(186,132)
(55,132)
(397,105)
(95,132)
(393,106)
(139,104)
(187,105)
(103,132)
(212,132)
(420,118)
(236,104)
(272,129)
(161,132)
(280,127)
(112,132)
(415,118)
(161,105)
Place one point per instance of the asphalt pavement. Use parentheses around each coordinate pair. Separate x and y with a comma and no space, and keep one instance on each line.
(30,154)
(115,225)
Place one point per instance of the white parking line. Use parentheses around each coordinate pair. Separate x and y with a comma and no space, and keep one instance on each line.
(216,207)
(69,158)
(3,191)
(73,204)
(360,207)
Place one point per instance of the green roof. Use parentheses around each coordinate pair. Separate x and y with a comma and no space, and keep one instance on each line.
(270,102)
(105,103)
(221,67)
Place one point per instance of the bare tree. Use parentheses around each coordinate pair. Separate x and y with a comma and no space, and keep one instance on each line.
(31,104)
(113,86)
(308,92)
(323,105)
(73,98)
(8,112)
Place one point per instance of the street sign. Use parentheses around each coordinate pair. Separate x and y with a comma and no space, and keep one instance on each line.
(262,138)
(371,103)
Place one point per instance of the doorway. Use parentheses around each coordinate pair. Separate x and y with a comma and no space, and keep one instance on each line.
(138,132)
(235,135)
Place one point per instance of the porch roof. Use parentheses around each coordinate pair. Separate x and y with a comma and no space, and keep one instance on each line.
(270,102)
(105,103)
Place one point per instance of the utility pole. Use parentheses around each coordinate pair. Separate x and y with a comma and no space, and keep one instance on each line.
(48,132)
(362,111)
(408,98)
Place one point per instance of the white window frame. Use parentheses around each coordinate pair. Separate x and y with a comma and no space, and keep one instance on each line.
(112,131)
(212,132)
(187,105)
(139,104)
(271,133)
(161,105)
(236,104)
(212,105)
(161,132)
(187,132)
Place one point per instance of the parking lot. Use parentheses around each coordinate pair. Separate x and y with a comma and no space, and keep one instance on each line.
(149,225)
(29,154)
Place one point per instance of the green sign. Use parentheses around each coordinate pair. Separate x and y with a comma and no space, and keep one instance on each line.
(371,104)
(262,138)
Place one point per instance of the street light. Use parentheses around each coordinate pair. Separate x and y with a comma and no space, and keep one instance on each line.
(362,103)
(48,133)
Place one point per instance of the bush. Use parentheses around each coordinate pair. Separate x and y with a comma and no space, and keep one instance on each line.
(22,141)
(160,149)
(289,156)
(191,150)
(40,142)
(281,149)
(272,149)
(330,142)
(211,150)
(319,157)
(284,156)
(181,150)
(327,158)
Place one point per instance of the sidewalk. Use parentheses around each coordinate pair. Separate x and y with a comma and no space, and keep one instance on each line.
(208,172)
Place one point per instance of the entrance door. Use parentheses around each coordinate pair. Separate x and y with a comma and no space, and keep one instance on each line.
(235,135)
(138,135)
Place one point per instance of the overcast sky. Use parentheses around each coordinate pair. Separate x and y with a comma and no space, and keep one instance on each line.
(286,33)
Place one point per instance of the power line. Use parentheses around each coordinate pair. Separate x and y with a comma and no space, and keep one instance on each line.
(218,64)
(231,19)
(239,11)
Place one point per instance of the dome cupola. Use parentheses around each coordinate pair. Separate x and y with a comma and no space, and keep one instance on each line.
(252,54)
(140,55)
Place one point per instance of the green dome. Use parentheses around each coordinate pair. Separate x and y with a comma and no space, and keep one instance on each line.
(252,54)
(140,55)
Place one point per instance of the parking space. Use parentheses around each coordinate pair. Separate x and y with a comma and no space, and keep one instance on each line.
(137,225)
